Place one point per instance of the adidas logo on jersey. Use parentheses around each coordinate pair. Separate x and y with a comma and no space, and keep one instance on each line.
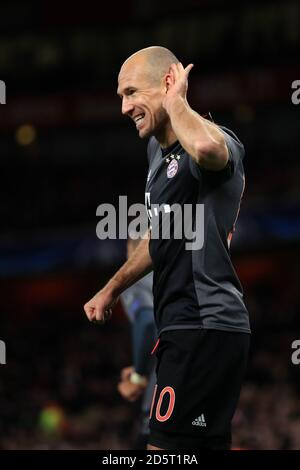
(200,421)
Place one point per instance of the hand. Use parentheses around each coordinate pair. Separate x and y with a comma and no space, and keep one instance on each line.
(177,82)
(126,372)
(99,308)
(130,391)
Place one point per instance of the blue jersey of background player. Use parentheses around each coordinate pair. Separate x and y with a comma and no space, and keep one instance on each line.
(139,378)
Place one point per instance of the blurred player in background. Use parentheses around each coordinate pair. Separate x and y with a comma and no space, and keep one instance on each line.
(201,318)
(139,379)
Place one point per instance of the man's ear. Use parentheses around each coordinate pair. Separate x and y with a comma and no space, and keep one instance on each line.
(169,80)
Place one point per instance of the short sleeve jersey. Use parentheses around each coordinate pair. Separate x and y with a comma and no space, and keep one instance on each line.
(196,288)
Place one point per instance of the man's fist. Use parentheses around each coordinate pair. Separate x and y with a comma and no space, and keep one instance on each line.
(99,308)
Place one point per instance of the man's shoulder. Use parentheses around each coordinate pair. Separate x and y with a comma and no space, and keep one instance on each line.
(232,141)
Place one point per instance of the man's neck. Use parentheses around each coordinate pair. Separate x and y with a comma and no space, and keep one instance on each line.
(166,137)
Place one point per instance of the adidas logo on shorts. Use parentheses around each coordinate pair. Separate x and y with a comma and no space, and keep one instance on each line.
(200,421)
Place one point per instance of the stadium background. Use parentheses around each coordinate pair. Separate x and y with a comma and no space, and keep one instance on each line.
(65,149)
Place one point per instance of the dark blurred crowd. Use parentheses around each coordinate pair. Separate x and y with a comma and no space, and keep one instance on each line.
(76,151)
(58,388)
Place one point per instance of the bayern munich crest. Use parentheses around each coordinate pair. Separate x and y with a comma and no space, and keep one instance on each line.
(172,168)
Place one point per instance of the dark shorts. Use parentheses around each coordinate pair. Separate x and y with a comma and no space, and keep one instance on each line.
(199,377)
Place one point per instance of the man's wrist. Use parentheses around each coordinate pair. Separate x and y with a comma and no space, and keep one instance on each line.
(175,102)
(113,287)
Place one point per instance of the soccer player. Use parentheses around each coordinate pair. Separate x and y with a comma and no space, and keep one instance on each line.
(139,379)
(202,322)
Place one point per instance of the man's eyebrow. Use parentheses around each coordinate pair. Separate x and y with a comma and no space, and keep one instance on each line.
(126,90)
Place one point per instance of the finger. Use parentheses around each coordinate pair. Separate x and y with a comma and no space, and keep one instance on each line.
(89,311)
(98,322)
(175,71)
(98,313)
(103,317)
(181,72)
(126,373)
(188,69)
(120,388)
(86,309)
(123,390)
(107,314)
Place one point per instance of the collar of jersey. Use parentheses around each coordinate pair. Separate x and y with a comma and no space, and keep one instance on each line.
(167,150)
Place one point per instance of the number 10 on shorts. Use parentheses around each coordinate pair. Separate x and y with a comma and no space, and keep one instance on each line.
(169,394)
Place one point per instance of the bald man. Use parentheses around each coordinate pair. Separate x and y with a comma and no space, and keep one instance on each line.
(201,318)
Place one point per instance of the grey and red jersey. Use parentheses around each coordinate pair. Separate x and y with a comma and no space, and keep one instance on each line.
(196,288)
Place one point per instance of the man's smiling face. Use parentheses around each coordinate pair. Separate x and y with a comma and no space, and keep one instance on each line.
(142,95)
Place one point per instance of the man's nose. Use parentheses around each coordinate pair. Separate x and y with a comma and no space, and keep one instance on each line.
(127,106)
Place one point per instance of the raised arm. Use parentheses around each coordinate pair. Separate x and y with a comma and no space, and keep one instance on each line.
(138,265)
(202,140)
